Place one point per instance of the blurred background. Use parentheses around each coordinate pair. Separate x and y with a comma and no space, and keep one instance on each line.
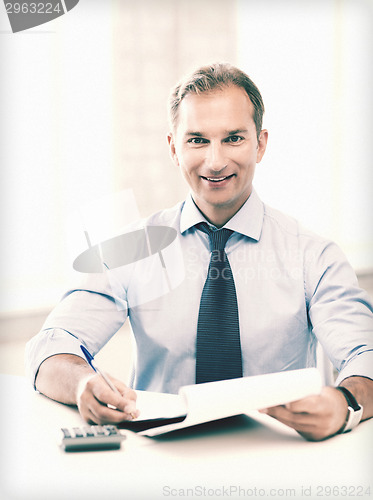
(83,116)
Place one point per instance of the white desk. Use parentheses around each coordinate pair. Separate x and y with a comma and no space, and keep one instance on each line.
(263,458)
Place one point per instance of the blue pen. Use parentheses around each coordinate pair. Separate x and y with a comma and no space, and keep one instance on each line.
(92,363)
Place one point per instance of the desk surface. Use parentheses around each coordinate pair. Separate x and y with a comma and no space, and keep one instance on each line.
(239,458)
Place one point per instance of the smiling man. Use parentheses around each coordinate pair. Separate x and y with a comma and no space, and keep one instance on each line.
(271,291)
(216,145)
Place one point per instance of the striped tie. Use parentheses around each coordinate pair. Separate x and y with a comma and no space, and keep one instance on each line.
(218,355)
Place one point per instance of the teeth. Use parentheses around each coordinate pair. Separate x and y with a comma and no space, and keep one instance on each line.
(215,179)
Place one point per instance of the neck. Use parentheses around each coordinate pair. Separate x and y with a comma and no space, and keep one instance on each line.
(218,220)
(217,215)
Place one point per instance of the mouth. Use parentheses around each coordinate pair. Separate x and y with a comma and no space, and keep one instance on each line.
(217,180)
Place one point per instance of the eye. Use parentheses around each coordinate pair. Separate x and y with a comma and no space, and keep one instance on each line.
(197,140)
(234,139)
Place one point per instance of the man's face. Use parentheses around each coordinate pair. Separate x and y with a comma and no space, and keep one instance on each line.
(215,145)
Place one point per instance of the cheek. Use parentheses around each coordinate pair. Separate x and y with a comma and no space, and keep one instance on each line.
(190,160)
(244,154)
(246,159)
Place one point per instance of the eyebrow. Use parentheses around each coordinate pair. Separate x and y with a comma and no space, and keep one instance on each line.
(232,132)
(194,134)
(238,131)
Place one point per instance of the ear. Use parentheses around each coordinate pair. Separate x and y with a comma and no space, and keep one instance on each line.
(262,144)
(171,143)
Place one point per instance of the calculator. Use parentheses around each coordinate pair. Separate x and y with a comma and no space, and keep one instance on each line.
(93,437)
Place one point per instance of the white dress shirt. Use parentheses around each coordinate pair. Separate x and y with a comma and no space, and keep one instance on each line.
(294,288)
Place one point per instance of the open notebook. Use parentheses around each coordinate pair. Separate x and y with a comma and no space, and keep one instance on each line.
(196,404)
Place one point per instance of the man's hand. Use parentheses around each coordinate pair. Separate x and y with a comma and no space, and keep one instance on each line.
(315,417)
(322,416)
(69,379)
(98,404)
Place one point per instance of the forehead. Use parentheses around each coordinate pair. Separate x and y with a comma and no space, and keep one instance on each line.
(229,107)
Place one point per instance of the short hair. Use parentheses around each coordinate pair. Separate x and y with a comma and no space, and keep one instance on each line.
(211,77)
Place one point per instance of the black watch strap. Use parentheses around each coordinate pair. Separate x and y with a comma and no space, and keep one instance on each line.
(350,398)
(355,411)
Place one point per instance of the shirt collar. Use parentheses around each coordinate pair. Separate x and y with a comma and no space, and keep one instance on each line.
(247,221)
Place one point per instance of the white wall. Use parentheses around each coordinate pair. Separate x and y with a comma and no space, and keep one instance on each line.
(56,121)
(312,61)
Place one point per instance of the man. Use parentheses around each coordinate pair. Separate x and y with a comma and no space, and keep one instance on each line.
(293,287)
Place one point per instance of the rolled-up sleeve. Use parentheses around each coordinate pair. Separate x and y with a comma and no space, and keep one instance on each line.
(89,314)
(340,312)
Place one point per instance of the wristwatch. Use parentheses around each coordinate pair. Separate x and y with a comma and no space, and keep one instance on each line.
(355,411)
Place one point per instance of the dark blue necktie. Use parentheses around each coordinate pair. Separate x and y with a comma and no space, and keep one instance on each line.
(218,349)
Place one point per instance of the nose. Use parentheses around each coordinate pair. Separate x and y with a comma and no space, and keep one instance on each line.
(215,159)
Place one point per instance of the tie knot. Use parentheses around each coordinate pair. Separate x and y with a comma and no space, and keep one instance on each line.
(218,237)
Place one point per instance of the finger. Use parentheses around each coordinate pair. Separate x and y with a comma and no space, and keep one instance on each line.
(312,426)
(111,406)
(309,404)
(123,388)
(315,404)
(87,414)
(128,402)
(106,396)
(105,415)
(128,393)
(99,403)
(303,423)
(327,407)
(92,409)
(95,419)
